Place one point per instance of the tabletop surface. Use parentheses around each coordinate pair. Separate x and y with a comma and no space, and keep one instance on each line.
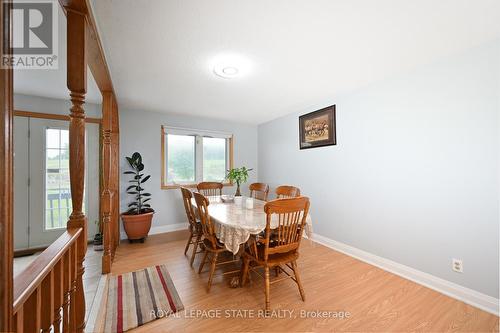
(237,215)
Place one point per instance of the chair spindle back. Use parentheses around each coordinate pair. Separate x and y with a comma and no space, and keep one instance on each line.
(291,217)
(287,191)
(206,223)
(259,191)
(210,188)
(186,199)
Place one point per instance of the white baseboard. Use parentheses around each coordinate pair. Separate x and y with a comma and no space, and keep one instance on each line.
(161,229)
(466,295)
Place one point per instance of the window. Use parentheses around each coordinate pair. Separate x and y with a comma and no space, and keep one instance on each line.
(181,158)
(214,159)
(58,205)
(192,156)
(57,190)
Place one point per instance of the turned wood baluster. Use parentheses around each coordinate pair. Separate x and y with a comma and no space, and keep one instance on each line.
(18,320)
(67,289)
(107,102)
(32,312)
(48,302)
(73,304)
(77,85)
(58,293)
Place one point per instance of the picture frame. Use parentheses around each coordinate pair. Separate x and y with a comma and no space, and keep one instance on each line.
(318,128)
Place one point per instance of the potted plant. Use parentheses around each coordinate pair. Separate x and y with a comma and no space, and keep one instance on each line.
(239,176)
(98,237)
(137,219)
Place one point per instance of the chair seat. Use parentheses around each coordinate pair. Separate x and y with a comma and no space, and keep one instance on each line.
(208,244)
(282,258)
(274,259)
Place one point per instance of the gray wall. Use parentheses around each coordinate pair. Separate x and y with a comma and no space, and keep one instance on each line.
(141,131)
(414,177)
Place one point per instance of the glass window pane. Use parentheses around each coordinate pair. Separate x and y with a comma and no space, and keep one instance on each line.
(64,139)
(52,160)
(64,155)
(180,158)
(52,138)
(214,159)
(64,185)
(52,183)
(57,184)
(50,218)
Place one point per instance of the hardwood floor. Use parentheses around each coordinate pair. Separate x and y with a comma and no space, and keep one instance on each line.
(375,300)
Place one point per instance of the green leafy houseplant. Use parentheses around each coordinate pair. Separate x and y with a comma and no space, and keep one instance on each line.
(239,176)
(137,219)
(139,205)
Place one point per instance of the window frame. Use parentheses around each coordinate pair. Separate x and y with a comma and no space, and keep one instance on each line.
(198,170)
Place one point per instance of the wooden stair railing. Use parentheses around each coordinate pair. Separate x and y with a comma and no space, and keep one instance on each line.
(45,292)
(49,295)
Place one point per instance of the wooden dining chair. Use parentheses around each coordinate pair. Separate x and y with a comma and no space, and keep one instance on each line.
(287,191)
(195,230)
(211,243)
(259,191)
(210,188)
(282,248)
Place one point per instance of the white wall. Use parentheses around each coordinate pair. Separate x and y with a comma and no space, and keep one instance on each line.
(141,131)
(414,177)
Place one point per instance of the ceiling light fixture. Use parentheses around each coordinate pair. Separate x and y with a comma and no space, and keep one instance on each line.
(230,70)
(230,66)
(227,72)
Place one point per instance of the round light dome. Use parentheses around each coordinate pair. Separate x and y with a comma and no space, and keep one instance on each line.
(230,65)
(225,71)
(230,70)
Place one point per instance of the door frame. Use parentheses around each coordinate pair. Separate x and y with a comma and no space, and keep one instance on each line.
(49,116)
(6,170)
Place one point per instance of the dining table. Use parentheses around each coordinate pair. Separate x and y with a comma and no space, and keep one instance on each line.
(235,222)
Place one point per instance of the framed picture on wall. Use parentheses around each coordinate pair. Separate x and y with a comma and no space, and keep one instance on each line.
(317,129)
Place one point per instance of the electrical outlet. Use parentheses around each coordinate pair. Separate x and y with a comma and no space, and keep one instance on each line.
(457,265)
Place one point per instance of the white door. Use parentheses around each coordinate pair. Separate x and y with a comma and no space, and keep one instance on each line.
(49,194)
(21,182)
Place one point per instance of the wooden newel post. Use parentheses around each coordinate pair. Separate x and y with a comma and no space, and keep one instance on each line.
(107,105)
(77,85)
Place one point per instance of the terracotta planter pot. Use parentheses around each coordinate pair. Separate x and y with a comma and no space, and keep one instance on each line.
(137,226)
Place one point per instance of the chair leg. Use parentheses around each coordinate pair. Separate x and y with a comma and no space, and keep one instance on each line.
(188,242)
(299,283)
(267,288)
(203,261)
(195,248)
(212,270)
(244,272)
(277,271)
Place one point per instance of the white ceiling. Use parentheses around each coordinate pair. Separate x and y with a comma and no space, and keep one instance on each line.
(304,53)
(52,83)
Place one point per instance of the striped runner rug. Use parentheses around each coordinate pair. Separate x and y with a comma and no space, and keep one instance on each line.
(139,297)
